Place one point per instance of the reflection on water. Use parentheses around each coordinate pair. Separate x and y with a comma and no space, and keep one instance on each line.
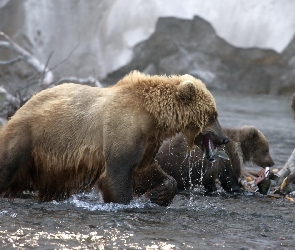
(192,221)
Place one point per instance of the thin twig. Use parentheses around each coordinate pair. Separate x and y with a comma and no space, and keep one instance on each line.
(10,98)
(44,72)
(87,81)
(12,61)
(67,58)
(26,56)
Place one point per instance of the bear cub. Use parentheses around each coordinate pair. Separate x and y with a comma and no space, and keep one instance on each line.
(247,144)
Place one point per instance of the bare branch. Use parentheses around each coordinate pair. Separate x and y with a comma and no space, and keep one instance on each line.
(16,102)
(4,43)
(29,58)
(12,61)
(87,81)
(44,73)
(66,59)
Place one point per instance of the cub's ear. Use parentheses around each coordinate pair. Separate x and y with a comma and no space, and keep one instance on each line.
(252,131)
(187,91)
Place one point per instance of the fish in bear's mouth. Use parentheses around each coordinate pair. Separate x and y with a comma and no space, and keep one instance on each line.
(211,150)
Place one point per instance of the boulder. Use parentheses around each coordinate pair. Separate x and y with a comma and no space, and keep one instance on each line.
(180,46)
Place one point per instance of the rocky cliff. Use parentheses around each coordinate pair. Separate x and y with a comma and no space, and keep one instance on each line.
(240,46)
(180,46)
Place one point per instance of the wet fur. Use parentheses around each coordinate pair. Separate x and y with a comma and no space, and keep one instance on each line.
(246,144)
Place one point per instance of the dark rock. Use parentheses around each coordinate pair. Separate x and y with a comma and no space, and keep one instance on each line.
(181,46)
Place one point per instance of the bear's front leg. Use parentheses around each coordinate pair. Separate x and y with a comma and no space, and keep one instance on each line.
(116,188)
(158,186)
(121,159)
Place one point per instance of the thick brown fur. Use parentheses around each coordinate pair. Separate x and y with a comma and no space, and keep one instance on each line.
(70,138)
(246,144)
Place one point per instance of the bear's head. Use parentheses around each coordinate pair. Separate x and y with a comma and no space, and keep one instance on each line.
(201,113)
(178,103)
(254,147)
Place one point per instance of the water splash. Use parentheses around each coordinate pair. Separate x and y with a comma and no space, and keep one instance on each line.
(93,201)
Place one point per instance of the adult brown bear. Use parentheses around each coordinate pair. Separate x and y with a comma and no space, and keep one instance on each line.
(247,144)
(70,138)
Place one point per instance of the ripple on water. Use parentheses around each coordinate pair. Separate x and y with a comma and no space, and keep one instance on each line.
(192,221)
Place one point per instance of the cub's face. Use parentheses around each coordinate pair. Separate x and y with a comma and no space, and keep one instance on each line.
(259,151)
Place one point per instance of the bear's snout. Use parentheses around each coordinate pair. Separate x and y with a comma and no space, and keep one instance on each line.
(216,132)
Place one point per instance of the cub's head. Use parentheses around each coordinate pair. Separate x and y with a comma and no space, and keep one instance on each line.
(254,147)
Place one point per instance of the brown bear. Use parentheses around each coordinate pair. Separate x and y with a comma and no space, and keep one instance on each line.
(246,144)
(71,137)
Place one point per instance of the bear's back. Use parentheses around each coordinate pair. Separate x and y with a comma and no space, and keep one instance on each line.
(66,117)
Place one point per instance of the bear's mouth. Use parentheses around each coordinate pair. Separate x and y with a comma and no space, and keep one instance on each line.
(210,149)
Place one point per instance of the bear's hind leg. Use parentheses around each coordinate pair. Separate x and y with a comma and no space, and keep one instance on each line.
(15,152)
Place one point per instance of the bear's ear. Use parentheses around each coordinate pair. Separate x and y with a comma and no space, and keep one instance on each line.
(187,91)
(252,132)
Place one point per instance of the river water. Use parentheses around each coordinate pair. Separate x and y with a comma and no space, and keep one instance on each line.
(192,221)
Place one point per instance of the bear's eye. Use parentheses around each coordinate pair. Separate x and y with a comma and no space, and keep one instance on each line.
(213,117)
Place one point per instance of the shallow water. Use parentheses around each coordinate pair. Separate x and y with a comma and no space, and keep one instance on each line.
(192,221)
